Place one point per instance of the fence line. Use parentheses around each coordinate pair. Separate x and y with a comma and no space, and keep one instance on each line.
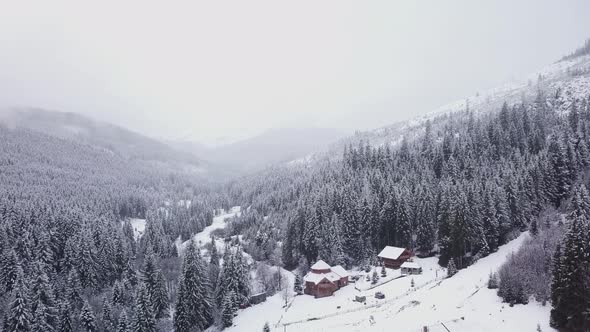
(375,305)
(378,285)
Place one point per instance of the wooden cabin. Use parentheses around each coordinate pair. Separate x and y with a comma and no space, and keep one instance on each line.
(394,257)
(323,280)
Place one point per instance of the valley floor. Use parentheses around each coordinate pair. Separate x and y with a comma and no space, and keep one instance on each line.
(461,303)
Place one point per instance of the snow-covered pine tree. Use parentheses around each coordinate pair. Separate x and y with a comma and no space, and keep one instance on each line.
(86,261)
(65,317)
(19,317)
(118,297)
(43,294)
(122,323)
(41,319)
(298,284)
(493,281)
(570,294)
(228,309)
(451,268)
(8,272)
(87,319)
(155,284)
(374,277)
(234,277)
(193,301)
(107,318)
(144,320)
(74,290)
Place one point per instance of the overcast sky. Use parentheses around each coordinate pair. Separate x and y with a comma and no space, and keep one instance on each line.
(209,69)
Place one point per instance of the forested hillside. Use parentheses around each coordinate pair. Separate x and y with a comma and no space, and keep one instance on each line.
(65,238)
(465,185)
(108,137)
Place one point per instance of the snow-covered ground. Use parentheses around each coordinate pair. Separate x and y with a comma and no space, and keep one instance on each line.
(462,303)
(204,236)
(138,227)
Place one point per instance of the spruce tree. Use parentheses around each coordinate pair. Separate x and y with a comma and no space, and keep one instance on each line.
(87,319)
(144,320)
(74,290)
(375,277)
(298,284)
(19,315)
(107,317)
(65,317)
(41,319)
(122,324)
(118,294)
(570,294)
(228,309)
(8,272)
(493,281)
(451,268)
(155,284)
(193,301)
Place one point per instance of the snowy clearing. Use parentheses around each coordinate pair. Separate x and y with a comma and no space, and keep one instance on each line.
(462,303)
(138,227)
(204,236)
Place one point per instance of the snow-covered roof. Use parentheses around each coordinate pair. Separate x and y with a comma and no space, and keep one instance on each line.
(410,265)
(391,252)
(316,278)
(332,276)
(320,265)
(339,270)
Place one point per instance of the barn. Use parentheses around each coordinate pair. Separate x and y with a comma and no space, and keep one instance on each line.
(323,280)
(394,257)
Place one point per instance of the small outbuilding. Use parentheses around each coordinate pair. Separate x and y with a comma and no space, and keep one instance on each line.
(258,298)
(394,257)
(411,268)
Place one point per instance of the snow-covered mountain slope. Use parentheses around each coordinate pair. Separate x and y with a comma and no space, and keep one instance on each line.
(568,79)
(461,303)
(110,138)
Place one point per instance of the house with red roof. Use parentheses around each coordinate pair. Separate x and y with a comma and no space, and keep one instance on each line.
(323,280)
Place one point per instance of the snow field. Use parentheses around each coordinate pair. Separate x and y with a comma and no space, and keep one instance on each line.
(462,303)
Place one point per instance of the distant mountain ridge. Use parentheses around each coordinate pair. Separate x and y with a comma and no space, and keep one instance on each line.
(272,147)
(112,138)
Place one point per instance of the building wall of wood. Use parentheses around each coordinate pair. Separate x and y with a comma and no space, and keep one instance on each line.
(396,263)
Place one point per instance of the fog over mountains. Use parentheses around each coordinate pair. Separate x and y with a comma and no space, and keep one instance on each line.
(272,147)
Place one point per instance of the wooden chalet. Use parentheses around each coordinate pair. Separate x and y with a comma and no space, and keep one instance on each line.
(394,257)
(323,280)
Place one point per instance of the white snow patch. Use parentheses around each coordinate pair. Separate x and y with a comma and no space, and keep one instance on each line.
(138,226)
(204,236)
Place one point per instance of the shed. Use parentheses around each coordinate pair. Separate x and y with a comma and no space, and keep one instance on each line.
(411,268)
(258,298)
